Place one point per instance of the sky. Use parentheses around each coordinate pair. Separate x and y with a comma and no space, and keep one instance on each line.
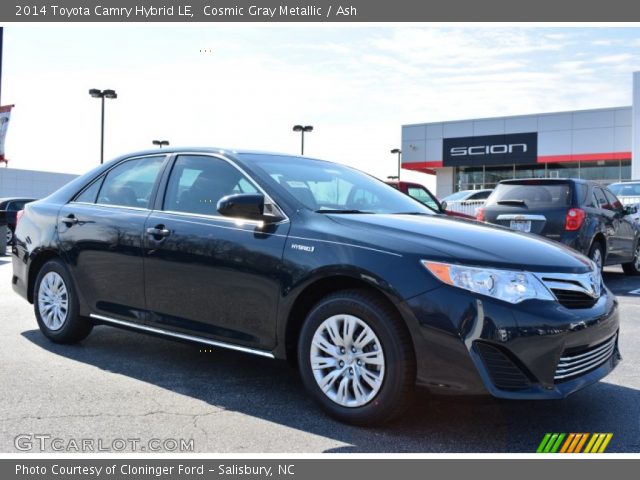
(245,86)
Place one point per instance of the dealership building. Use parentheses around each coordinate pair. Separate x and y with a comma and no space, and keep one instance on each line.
(601,145)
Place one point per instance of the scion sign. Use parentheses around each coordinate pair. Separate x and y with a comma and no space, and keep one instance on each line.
(520,148)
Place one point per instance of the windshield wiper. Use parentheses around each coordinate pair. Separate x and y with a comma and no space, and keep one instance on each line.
(414,213)
(511,202)
(337,210)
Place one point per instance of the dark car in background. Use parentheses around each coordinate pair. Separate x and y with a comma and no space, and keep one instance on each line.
(365,289)
(423,195)
(9,208)
(583,215)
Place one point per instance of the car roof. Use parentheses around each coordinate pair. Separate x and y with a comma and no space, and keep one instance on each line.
(626,182)
(218,150)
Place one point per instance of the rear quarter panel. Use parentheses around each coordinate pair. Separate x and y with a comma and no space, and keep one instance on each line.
(36,234)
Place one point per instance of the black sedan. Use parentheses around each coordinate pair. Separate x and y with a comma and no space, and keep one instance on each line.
(361,286)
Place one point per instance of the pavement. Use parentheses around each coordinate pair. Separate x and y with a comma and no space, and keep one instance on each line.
(120,390)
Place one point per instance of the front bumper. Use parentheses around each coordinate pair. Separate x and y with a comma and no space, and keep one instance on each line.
(472,344)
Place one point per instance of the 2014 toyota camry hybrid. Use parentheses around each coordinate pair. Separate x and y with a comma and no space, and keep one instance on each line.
(364,288)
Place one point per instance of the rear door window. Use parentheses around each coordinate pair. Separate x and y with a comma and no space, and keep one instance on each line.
(532,195)
(89,194)
(601,199)
(130,183)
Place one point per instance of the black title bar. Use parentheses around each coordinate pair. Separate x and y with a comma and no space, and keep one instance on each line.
(317,11)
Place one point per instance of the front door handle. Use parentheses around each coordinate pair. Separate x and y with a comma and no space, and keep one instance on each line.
(158,231)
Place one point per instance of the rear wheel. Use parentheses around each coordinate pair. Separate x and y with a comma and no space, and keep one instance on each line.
(633,267)
(596,254)
(356,358)
(9,236)
(56,305)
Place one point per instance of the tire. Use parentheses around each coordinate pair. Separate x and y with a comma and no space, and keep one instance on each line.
(371,385)
(633,268)
(596,251)
(9,236)
(55,303)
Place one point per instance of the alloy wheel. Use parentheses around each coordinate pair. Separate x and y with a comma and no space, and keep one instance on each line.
(53,301)
(347,360)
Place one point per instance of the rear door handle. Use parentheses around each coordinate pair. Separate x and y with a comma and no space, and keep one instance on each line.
(70,220)
(158,231)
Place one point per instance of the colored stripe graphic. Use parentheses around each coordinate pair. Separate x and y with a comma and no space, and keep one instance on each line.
(574,443)
(550,443)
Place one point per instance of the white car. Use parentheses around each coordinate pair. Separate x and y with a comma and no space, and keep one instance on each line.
(627,192)
(467,195)
(466,201)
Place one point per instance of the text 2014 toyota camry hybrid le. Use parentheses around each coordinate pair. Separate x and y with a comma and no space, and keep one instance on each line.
(366,290)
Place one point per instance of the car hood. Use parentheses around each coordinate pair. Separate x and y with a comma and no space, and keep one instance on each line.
(442,238)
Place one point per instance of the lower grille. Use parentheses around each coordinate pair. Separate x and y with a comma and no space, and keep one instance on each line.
(582,361)
(504,374)
(574,299)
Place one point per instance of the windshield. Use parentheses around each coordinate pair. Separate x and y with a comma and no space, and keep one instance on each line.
(531,195)
(625,189)
(333,188)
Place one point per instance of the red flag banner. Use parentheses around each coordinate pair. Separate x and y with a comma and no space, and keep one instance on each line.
(5,115)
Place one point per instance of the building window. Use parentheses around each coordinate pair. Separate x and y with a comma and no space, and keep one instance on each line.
(602,172)
(563,170)
(605,172)
(530,171)
(469,178)
(625,170)
(492,175)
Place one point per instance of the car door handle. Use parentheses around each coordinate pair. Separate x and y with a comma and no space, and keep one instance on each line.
(158,231)
(70,220)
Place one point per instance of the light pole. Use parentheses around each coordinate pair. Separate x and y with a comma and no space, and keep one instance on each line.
(399,152)
(102,94)
(161,143)
(301,129)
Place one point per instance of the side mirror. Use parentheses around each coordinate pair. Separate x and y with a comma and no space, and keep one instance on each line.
(245,206)
(631,209)
(444,204)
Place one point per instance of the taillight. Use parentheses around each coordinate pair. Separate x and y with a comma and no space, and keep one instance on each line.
(480,214)
(574,220)
(19,214)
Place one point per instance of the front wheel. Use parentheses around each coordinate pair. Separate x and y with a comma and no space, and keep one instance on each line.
(56,305)
(633,267)
(356,358)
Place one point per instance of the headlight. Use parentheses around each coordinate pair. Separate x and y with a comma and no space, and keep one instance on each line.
(507,285)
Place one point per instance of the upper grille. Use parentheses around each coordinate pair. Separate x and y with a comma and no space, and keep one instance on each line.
(573,299)
(574,290)
(582,361)
(503,372)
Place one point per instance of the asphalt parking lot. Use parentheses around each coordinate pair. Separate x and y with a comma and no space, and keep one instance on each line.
(123,385)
